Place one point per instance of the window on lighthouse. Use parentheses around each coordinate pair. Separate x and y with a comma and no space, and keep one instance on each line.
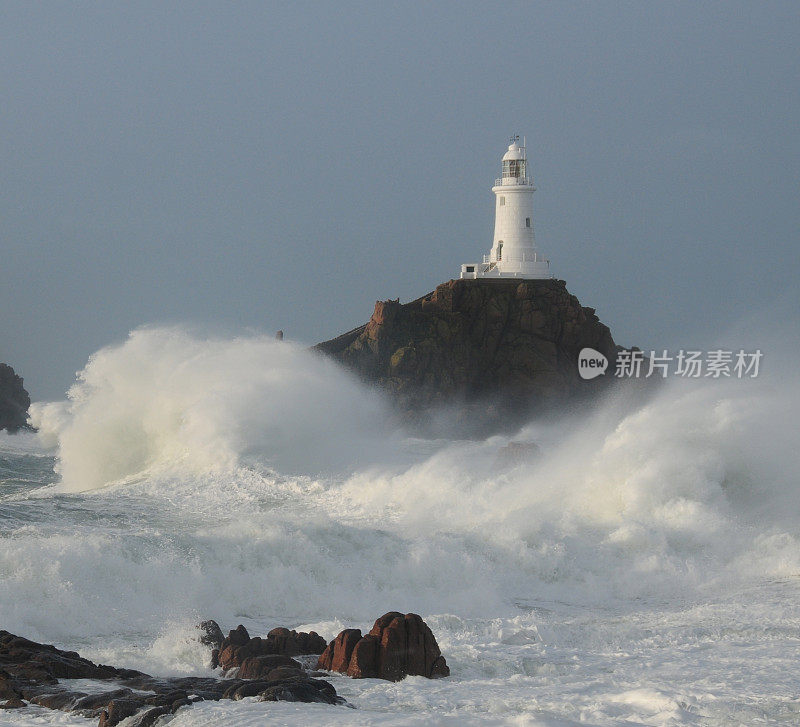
(514,168)
(527,222)
(500,250)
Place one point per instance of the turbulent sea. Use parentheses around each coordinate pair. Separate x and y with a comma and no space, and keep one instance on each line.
(642,569)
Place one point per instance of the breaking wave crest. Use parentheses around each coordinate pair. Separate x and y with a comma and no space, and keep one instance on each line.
(168,399)
(251,479)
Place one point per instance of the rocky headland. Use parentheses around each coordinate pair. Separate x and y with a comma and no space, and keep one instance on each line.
(497,350)
(14,400)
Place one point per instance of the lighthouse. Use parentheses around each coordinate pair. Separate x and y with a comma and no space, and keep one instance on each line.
(513,253)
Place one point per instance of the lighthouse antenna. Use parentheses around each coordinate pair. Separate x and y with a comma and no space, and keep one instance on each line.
(525,157)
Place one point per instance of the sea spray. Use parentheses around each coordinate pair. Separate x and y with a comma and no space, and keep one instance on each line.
(253,476)
(167,398)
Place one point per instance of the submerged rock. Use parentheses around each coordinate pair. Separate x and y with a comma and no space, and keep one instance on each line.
(398,645)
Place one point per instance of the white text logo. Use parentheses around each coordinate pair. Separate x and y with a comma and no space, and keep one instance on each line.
(591,363)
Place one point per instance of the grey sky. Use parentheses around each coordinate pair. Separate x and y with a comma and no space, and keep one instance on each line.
(264,166)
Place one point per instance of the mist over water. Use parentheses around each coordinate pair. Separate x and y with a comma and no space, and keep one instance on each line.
(252,481)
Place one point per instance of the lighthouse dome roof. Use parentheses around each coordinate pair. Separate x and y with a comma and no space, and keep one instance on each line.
(515,151)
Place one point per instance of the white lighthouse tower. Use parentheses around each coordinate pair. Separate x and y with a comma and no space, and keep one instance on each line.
(513,253)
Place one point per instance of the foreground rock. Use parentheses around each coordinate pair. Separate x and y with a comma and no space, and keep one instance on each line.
(255,656)
(14,400)
(30,673)
(398,645)
(513,344)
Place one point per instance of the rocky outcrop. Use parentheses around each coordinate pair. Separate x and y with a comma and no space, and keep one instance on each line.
(512,343)
(14,400)
(294,643)
(256,656)
(30,674)
(398,645)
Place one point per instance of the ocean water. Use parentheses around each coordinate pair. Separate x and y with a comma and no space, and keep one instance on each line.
(642,569)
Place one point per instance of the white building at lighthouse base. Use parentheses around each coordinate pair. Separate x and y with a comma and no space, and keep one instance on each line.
(535,266)
(513,253)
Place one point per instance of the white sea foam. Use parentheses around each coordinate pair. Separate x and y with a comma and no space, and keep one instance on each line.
(253,482)
(682,490)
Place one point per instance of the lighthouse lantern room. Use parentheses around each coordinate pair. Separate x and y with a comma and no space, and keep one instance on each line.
(513,253)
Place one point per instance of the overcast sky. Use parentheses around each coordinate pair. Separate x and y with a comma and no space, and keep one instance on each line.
(256,166)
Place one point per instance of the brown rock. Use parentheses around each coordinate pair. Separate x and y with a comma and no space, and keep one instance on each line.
(240,690)
(284,639)
(13,703)
(257,667)
(117,710)
(301,690)
(226,657)
(408,646)
(397,646)
(293,643)
(336,656)
(439,669)
(238,646)
(28,674)
(238,636)
(57,700)
(166,697)
(394,649)
(148,718)
(282,673)
(45,663)
(93,702)
(365,660)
